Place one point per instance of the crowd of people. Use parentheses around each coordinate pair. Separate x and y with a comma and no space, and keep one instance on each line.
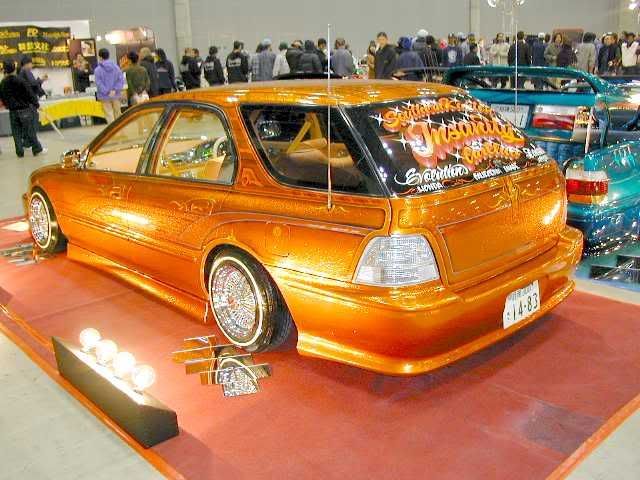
(147,74)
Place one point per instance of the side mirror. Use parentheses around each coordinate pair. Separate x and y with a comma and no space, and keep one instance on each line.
(71,158)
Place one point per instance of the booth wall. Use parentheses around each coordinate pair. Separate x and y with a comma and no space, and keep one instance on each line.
(104,15)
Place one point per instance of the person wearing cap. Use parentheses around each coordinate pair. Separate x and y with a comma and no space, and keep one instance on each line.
(281,66)
(262,63)
(463,43)
(237,64)
(18,97)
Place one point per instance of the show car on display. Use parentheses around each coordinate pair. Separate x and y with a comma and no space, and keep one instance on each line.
(562,110)
(442,229)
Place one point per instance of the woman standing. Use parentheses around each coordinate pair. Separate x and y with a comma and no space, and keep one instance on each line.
(166,73)
(553,50)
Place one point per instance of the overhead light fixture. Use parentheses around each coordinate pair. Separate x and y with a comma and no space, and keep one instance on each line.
(89,338)
(633,5)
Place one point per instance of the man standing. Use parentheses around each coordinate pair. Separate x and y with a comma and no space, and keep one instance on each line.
(523,57)
(293,55)
(237,64)
(149,64)
(386,58)
(629,53)
(263,62)
(452,55)
(281,66)
(22,104)
(109,82)
(341,60)
(26,73)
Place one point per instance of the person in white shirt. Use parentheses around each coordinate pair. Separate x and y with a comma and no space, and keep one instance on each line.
(629,54)
(281,66)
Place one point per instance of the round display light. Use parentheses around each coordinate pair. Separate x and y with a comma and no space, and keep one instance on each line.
(106,351)
(123,364)
(89,338)
(143,376)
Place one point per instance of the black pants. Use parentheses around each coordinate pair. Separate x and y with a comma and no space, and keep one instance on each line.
(23,130)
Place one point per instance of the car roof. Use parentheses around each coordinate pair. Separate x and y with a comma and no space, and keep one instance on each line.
(313,92)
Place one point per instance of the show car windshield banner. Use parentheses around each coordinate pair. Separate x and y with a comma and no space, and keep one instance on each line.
(434,144)
(46,45)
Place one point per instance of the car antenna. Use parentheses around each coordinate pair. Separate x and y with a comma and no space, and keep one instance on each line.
(329,186)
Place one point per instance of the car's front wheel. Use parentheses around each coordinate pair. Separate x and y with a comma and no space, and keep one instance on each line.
(43,223)
(246,304)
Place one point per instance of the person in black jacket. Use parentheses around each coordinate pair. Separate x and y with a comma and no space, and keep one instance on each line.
(386,57)
(81,73)
(166,73)
(524,56)
(18,97)
(213,72)
(189,70)
(472,58)
(309,61)
(237,64)
(294,52)
(149,64)
(321,51)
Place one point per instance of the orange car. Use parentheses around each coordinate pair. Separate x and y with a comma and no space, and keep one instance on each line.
(399,226)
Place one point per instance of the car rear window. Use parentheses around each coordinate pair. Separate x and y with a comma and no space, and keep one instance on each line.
(423,145)
(292,141)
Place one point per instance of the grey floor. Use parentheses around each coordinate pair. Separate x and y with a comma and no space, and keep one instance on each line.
(45,433)
(76,445)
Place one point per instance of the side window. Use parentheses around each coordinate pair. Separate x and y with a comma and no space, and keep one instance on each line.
(122,150)
(293,143)
(197,147)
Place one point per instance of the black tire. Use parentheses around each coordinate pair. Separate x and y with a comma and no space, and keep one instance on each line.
(272,323)
(49,239)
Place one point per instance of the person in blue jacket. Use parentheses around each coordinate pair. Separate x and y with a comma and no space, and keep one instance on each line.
(410,65)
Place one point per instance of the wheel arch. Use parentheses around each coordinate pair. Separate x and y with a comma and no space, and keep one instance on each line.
(216,247)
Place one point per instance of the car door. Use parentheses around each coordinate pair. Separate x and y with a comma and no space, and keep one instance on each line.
(175,201)
(98,191)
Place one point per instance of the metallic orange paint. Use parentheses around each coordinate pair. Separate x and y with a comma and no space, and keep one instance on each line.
(489,238)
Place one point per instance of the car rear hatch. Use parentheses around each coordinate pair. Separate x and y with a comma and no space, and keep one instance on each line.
(485,196)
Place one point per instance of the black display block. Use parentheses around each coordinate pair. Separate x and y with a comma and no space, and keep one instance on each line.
(139,414)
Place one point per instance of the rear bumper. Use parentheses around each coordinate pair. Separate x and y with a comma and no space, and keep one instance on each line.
(414,330)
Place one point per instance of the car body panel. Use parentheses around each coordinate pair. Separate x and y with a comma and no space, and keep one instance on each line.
(489,238)
(615,220)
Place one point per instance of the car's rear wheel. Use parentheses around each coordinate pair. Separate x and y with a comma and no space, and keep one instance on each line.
(246,303)
(43,224)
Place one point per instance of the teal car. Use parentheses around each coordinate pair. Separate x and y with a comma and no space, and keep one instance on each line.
(565,111)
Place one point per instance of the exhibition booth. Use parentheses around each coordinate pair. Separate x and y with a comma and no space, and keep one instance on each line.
(330,278)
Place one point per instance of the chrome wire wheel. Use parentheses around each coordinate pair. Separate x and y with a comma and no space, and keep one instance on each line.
(40,221)
(235,300)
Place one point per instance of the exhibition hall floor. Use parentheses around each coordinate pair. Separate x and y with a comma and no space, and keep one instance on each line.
(532,406)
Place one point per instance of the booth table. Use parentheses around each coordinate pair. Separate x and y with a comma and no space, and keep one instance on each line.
(57,108)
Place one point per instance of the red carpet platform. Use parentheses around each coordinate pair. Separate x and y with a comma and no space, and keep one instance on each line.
(516,410)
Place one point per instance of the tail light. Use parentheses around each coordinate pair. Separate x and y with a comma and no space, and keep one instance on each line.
(586,186)
(554,117)
(397,260)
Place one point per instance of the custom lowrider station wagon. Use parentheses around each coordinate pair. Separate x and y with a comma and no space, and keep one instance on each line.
(399,226)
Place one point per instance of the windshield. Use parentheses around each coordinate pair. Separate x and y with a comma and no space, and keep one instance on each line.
(424,145)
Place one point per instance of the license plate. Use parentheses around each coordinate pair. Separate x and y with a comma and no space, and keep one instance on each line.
(517,115)
(521,304)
